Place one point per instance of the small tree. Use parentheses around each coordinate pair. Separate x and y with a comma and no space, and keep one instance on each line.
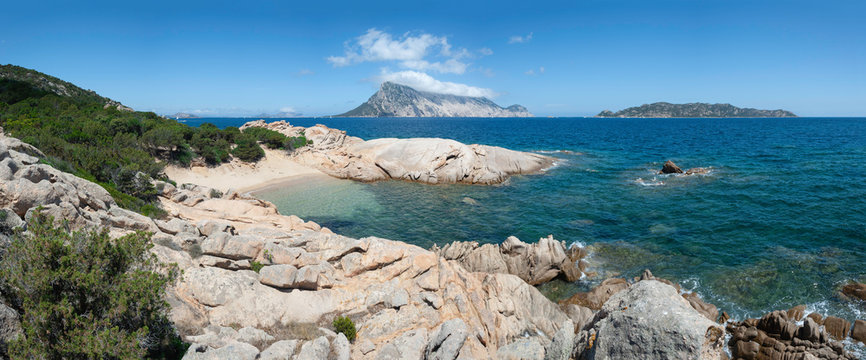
(344,325)
(83,295)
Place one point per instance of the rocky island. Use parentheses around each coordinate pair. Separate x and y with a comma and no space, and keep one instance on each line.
(693,110)
(395,100)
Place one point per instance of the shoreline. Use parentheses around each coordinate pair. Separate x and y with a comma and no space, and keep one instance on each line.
(274,168)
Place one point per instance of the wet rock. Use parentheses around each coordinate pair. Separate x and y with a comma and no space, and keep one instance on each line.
(855,290)
(859,331)
(816,317)
(837,327)
(698,171)
(670,168)
(796,313)
(595,298)
(706,309)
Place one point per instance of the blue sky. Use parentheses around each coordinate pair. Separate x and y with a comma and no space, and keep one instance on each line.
(571,58)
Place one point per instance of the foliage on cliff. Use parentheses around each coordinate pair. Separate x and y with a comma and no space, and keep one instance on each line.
(84,295)
(101,140)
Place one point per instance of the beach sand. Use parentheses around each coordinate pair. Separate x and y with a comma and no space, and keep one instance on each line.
(275,168)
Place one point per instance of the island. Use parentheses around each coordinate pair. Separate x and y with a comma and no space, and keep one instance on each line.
(395,100)
(182,115)
(694,110)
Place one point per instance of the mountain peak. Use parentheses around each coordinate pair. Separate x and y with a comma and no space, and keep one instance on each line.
(397,100)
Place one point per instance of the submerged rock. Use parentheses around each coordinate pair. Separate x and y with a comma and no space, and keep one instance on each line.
(855,290)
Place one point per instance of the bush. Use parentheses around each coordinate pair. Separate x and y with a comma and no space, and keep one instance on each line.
(272,139)
(248,149)
(343,324)
(256,266)
(85,296)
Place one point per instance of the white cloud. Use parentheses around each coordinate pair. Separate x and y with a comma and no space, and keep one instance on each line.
(305,72)
(423,82)
(535,72)
(485,51)
(287,109)
(518,39)
(408,50)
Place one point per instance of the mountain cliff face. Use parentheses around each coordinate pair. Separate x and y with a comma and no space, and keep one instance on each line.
(403,101)
(693,110)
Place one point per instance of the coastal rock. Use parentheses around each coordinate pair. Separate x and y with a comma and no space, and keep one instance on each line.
(535,263)
(859,331)
(314,350)
(837,327)
(706,309)
(427,160)
(855,290)
(280,350)
(524,349)
(661,325)
(595,298)
(10,326)
(446,342)
(775,336)
(235,350)
(670,168)
(561,346)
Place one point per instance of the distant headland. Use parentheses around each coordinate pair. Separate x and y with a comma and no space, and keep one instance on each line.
(395,100)
(694,110)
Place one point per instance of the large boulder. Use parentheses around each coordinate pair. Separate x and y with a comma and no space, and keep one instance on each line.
(535,263)
(650,320)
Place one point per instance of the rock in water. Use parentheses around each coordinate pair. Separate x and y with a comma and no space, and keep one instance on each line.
(855,290)
(650,320)
(670,168)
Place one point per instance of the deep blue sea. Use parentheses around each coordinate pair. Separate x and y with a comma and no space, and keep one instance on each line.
(779,221)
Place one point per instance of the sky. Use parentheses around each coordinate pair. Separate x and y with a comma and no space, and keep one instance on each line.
(569,58)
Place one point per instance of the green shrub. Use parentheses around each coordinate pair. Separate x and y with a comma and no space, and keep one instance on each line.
(342,324)
(215,194)
(256,266)
(248,149)
(84,295)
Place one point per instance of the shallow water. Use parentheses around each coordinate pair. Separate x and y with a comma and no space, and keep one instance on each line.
(779,221)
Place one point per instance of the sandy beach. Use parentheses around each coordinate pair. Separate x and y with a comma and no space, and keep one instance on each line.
(275,168)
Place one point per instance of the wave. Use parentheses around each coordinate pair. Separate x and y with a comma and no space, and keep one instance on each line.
(566,152)
(652,182)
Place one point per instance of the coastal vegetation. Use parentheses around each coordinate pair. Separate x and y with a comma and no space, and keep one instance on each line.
(84,295)
(345,326)
(101,140)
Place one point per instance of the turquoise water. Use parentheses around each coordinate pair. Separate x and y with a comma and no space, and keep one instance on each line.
(779,221)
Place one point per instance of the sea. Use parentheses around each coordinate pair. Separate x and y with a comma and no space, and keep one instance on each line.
(779,220)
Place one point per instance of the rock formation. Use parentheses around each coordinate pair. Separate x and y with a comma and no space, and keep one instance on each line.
(776,336)
(427,160)
(395,100)
(534,263)
(670,168)
(649,320)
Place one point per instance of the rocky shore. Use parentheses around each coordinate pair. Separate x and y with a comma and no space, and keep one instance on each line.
(426,160)
(256,284)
